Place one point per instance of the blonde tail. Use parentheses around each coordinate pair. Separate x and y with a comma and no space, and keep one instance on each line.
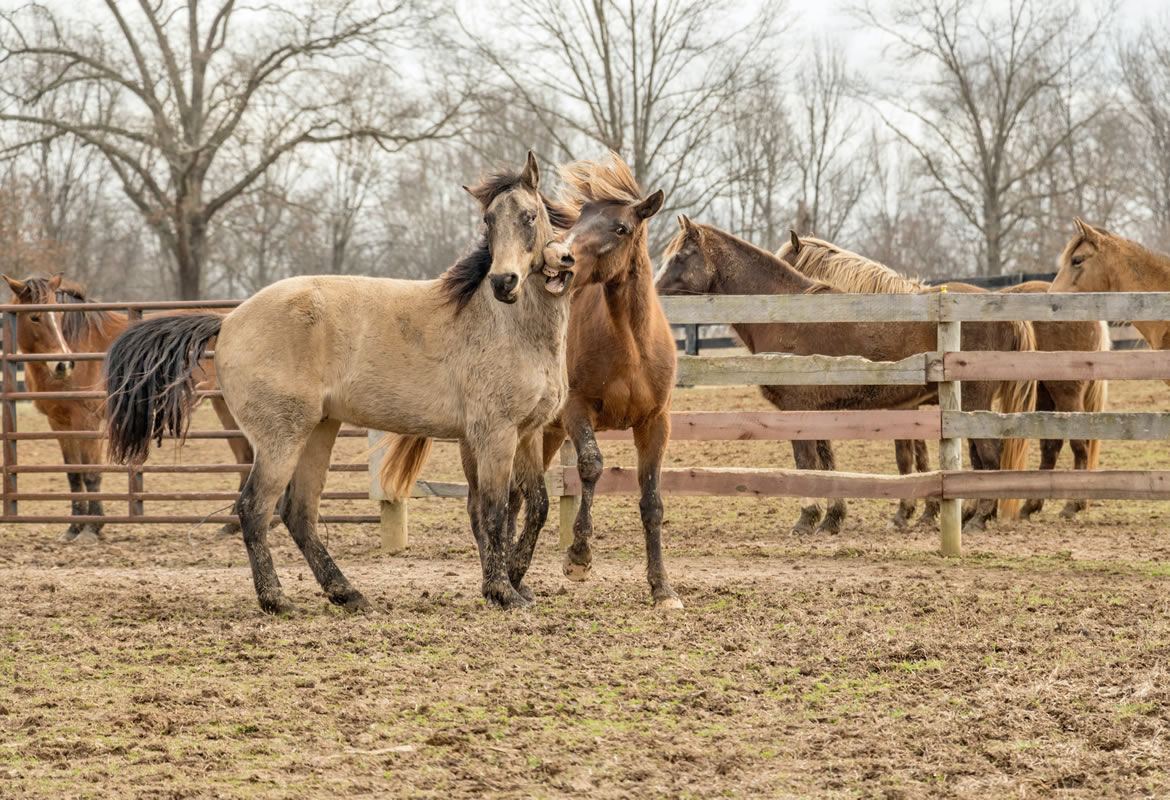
(1096,395)
(405,458)
(1016,397)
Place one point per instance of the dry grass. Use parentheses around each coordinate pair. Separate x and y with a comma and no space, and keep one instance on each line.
(859,665)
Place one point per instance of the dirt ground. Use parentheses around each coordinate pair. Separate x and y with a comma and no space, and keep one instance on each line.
(857,665)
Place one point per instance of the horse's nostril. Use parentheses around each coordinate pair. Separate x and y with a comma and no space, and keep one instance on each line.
(567,260)
(510,281)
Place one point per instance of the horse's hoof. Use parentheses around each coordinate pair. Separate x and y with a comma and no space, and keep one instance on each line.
(525,591)
(276,603)
(1069,512)
(576,570)
(831,529)
(670,603)
(801,529)
(68,536)
(87,536)
(352,601)
(974,525)
(506,598)
(898,524)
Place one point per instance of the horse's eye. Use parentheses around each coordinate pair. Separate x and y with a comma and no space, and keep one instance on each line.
(1078,260)
(34,318)
(621,230)
(530,219)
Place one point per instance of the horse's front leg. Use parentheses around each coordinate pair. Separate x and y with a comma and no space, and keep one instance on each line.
(836,513)
(578,557)
(494,453)
(651,439)
(71,454)
(984,455)
(904,456)
(528,482)
(91,453)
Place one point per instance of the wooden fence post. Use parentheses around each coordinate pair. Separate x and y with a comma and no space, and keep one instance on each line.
(570,503)
(950,450)
(392,523)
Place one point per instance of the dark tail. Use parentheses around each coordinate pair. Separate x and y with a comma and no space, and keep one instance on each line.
(149,384)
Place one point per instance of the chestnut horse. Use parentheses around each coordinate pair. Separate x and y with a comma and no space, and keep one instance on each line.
(83,331)
(703,259)
(477,355)
(850,272)
(1096,260)
(621,352)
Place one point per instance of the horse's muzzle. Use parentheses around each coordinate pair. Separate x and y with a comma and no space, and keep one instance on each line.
(558,268)
(61,369)
(505,287)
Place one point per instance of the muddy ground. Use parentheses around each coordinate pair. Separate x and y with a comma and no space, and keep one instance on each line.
(857,665)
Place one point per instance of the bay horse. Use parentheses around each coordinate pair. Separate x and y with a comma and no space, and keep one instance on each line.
(477,354)
(851,272)
(83,331)
(1096,260)
(702,259)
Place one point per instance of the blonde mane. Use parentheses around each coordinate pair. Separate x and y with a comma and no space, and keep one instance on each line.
(608,179)
(845,270)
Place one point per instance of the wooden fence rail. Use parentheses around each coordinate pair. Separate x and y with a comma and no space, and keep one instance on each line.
(948,367)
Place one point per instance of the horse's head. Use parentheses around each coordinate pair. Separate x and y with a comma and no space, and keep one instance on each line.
(1090,261)
(609,235)
(520,235)
(41,332)
(686,266)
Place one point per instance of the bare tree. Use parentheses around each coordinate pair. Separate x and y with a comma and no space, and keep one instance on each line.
(652,81)
(1145,65)
(978,120)
(170,85)
(827,139)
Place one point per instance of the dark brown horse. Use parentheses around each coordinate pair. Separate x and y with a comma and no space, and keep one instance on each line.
(621,352)
(83,331)
(703,259)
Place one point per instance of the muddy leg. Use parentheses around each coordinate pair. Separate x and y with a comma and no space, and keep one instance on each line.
(836,513)
(984,455)
(1049,452)
(241,449)
(78,507)
(904,456)
(300,517)
(1080,449)
(804,453)
(468,459)
(931,506)
(495,452)
(578,558)
(650,440)
(528,481)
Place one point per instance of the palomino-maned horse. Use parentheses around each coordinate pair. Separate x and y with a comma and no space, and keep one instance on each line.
(621,352)
(83,331)
(477,354)
(702,259)
(851,272)
(1096,260)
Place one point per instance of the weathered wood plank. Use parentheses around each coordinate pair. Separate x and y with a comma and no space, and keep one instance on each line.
(1059,484)
(787,425)
(800,308)
(1056,425)
(1127,306)
(783,369)
(1058,365)
(950,453)
(767,483)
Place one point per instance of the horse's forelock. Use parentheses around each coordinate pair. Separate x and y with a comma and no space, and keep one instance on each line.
(609,180)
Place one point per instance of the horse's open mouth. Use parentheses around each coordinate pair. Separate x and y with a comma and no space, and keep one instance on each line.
(556,282)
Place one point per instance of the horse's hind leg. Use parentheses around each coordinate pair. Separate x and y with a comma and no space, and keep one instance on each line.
(984,455)
(930,507)
(1080,449)
(904,456)
(91,453)
(1049,448)
(650,440)
(804,453)
(836,513)
(300,517)
(241,449)
(528,482)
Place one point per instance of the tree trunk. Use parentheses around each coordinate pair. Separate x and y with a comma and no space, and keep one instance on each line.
(191,258)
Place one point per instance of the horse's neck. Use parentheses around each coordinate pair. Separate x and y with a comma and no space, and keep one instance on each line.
(1145,271)
(632,302)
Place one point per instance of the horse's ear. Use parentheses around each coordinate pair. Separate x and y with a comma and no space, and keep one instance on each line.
(795,241)
(1085,229)
(16,286)
(530,176)
(478,192)
(55,281)
(651,205)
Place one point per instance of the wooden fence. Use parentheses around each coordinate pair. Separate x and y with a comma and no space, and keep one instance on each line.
(949,424)
(136,495)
